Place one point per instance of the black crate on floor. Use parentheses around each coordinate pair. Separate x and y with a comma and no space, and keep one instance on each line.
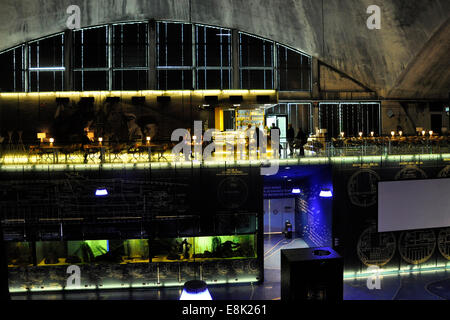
(311,274)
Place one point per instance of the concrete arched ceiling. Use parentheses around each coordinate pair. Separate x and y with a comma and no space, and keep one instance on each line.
(406,58)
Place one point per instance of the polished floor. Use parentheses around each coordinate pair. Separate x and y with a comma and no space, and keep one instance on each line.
(419,286)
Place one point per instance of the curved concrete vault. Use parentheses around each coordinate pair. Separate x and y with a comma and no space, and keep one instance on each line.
(406,58)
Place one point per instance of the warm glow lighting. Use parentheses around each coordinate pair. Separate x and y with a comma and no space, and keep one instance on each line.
(100,139)
(42,136)
(423,132)
(195,290)
(372,133)
(342,134)
(360,134)
(392,133)
(400,133)
(430,132)
(52,140)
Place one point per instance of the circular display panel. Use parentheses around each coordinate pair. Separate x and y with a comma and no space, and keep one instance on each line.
(417,247)
(238,266)
(444,173)
(375,248)
(444,242)
(232,192)
(410,172)
(253,265)
(362,188)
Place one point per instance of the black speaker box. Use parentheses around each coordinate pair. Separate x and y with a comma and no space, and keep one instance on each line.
(311,274)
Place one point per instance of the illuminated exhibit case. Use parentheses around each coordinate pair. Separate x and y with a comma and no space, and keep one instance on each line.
(153,228)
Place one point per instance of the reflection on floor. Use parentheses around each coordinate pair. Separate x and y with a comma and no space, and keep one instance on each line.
(419,286)
(415,286)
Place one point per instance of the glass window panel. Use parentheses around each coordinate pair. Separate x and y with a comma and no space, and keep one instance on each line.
(174,79)
(213,46)
(46,81)
(130,80)
(174,44)
(90,80)
(329,119)
(294,70)
(350,118)
(255,52)
(91,48)
(256,79)
(47,52)
(11,71)
(213,79)
(130,45)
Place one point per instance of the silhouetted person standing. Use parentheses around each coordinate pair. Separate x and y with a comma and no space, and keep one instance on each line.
(257,136)
(301,140)
(290,135)
(85,141)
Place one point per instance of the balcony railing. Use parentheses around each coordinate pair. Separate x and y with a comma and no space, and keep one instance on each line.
(48,154)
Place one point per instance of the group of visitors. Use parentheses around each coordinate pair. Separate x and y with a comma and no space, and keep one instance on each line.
(295,141)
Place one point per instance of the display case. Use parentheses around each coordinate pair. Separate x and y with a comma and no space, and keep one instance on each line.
(45,265)
(210,248)
(158,229)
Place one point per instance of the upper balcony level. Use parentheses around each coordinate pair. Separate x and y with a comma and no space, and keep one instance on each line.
(49,155)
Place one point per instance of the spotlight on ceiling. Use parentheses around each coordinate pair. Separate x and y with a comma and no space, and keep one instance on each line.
(195,290)
(101,192)
(296,191)
(326,193)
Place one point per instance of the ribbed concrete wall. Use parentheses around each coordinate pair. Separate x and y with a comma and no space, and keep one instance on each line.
(407,58)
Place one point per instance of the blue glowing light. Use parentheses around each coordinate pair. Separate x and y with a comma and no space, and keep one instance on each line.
(195,290)
(296,191)
(101,192)
(326,193)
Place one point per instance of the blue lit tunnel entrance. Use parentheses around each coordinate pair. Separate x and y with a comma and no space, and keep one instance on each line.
(301,195)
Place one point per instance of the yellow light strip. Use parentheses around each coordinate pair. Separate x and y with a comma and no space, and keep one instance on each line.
(396,272)
(138,93)
(21,162)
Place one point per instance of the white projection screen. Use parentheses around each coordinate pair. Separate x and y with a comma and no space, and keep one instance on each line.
(413,204)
